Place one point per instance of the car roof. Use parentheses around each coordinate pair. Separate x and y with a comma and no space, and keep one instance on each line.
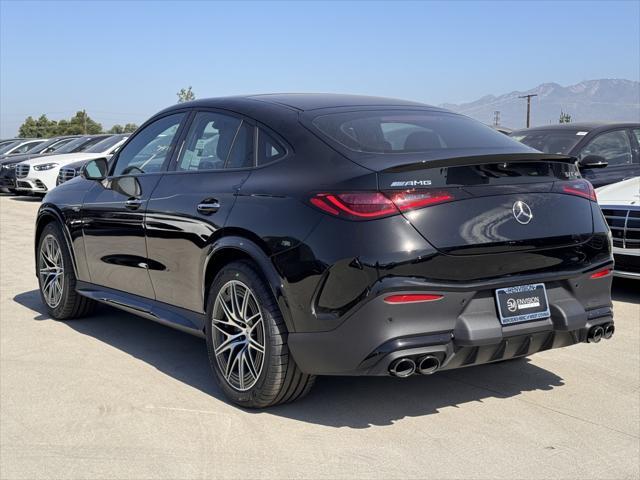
(578,126)
(300,101)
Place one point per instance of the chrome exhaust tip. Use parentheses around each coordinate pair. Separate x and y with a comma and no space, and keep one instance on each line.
(609,329)
(428,365)
(595,334)
(402,367)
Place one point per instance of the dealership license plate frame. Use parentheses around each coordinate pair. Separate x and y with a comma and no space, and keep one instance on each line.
(508,317)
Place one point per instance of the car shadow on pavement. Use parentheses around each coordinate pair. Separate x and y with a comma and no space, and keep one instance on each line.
(626,290)
(353,402)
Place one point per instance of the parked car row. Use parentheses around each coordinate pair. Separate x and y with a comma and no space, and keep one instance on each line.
(36,171)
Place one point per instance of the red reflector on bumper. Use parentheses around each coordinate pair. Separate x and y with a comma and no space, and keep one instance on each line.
(412,298)
(601,273)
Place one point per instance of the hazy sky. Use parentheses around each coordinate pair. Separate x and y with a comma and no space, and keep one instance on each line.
(123,61)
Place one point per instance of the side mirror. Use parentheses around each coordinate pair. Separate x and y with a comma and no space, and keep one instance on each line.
(593,161)
(95,169)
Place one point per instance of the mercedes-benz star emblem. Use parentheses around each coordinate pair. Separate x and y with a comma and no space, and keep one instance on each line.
(522,212)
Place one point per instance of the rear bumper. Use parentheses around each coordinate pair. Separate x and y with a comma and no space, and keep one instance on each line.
(461,329)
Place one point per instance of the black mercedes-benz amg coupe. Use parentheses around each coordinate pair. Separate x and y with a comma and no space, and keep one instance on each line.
(317,234)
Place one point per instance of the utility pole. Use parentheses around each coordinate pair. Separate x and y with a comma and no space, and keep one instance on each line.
(528,97)
(496,118)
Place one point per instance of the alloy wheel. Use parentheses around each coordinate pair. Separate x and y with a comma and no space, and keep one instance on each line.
(238,335)
(51,271)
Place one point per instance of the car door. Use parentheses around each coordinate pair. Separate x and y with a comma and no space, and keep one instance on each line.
(615,147)
(192,202)
(113,210)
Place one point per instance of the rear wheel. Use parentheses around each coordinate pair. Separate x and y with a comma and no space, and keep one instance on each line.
(247,341)
(56,277)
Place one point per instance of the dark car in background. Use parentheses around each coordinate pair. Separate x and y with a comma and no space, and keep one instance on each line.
(606,152)
(54,146)
(306,235)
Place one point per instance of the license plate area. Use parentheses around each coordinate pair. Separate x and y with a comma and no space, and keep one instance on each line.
(524,303)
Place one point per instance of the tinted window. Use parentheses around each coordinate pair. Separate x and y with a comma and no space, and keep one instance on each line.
(636,132)
(26,147)
(405,131)
(614,146)
(56,146)
(9,146)
(269,149)
(49,144)
(217,141)
(72,146)
(549,141)
(105,144)
(148,150)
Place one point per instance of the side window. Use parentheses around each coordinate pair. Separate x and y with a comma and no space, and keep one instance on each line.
(148,150)
(216,141)
(613,146)
(26,147)
(636,132)
(269,150)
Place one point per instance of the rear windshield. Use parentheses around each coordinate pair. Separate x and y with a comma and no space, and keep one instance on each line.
(408,131)
(549,141)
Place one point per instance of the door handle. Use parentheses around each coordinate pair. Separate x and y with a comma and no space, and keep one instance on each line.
(133,204)
(207,207)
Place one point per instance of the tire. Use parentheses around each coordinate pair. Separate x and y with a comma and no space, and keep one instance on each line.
(274,378)
(69,304)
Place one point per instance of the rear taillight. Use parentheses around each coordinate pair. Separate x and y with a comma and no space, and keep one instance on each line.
(581,188)
(371,205)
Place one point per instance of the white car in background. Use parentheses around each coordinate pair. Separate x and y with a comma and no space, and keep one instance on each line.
(620,204)
(39,175)
(19,146)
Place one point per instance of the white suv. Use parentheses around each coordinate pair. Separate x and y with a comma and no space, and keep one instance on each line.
(39,175)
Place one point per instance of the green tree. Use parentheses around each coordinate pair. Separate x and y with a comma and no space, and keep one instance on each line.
(28,128)
(130,128)
(40,128)
(80,124)
(116,129)
(185,95)
(564,117)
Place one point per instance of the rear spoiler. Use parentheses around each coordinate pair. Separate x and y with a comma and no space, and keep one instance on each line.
(415,162)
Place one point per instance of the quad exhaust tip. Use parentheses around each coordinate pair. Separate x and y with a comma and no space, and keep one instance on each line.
(595,334)
(402,367)
(428,365)
(608,331)
(599,332)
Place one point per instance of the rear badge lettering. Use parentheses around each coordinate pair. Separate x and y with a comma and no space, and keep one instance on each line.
(412,183)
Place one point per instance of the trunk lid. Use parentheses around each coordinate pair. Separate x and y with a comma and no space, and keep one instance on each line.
(502,203)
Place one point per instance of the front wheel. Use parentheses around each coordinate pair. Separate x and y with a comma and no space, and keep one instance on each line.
(247,341)
(56,277)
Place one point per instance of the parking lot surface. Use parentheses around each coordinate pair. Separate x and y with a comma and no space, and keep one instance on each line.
(116,396)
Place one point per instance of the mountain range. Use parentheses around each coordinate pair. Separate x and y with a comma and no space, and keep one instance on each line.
(592,100)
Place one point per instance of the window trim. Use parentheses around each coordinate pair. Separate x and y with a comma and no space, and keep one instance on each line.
(278,138)
(168,159)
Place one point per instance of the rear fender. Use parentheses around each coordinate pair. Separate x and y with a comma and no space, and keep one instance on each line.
(264,263)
